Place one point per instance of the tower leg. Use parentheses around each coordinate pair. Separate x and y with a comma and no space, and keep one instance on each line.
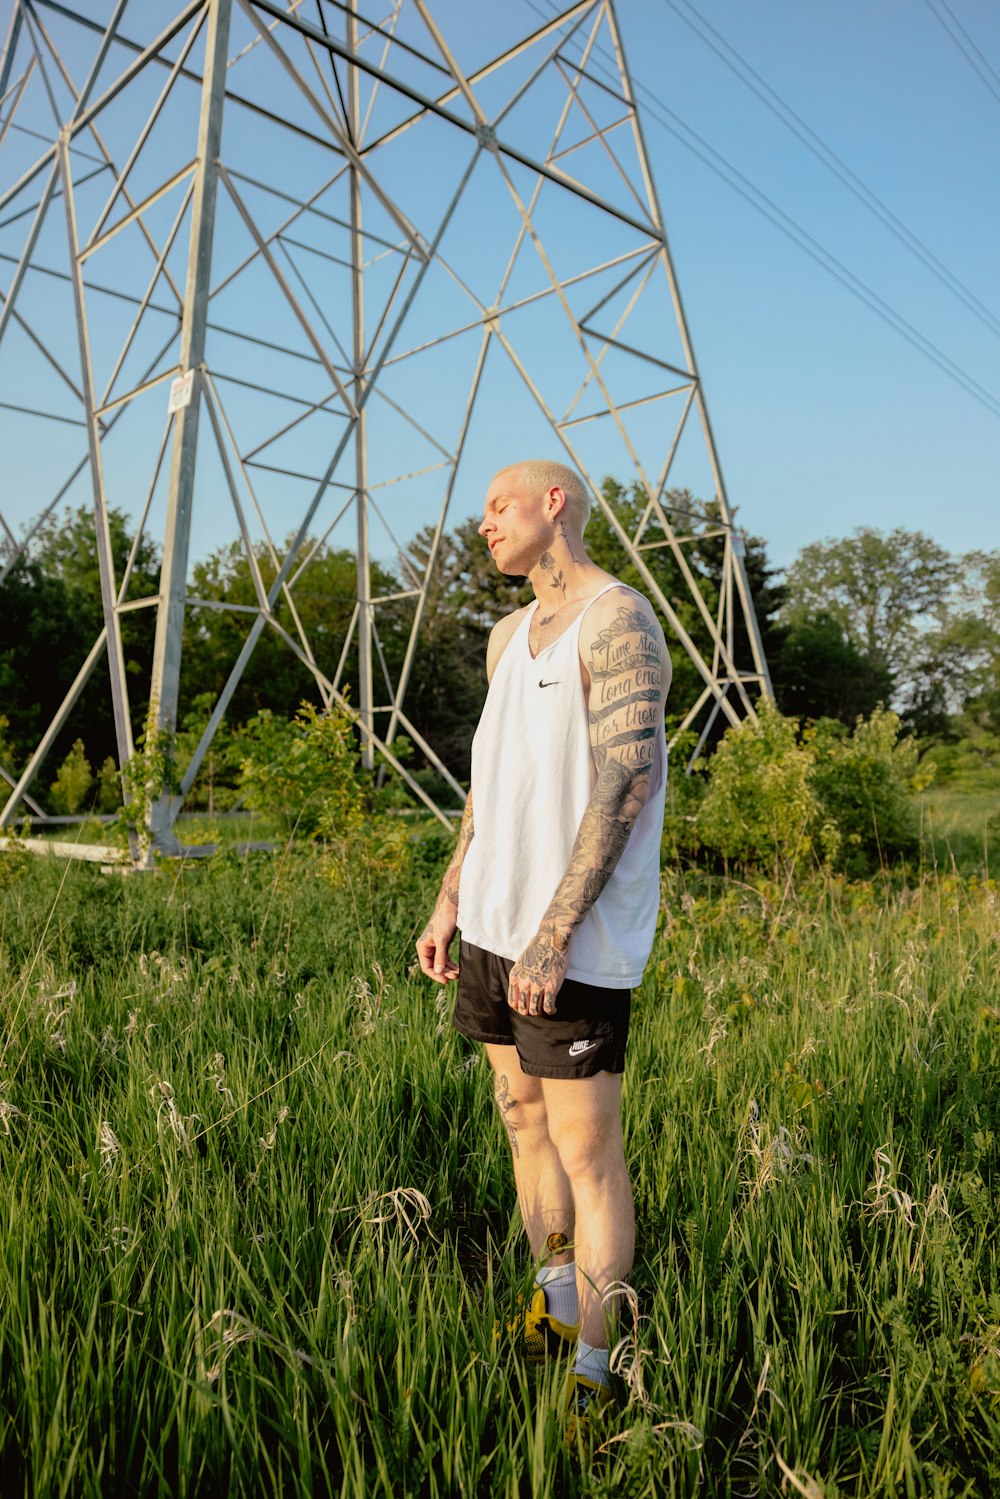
(173,577)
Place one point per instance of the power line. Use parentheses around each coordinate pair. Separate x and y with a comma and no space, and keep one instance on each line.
(824,153)
(825,258)
(985,72)
(794,231)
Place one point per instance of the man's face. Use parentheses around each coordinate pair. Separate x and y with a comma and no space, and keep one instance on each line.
(515,525)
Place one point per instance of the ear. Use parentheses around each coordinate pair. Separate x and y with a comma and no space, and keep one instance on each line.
(555,501)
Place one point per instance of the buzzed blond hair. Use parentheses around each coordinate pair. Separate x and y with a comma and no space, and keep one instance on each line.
(538,475)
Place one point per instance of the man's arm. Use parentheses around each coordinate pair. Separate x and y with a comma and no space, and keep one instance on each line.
(629,672)
(436,937)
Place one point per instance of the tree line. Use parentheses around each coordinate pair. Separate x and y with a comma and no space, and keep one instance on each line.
(866,619)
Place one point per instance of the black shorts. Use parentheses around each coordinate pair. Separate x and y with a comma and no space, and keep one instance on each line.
(586,1035)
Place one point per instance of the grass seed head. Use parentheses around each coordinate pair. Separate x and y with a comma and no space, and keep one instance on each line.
(8,1111)
(169,1117)
(770,1155)
(120,1237)
(108,1146)
(267,1142)
(217,1075)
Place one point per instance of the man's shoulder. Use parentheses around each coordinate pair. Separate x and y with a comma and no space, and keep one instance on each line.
(508,623)
(501,635)
(619,608)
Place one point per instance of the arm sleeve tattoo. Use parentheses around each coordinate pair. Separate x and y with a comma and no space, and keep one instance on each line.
(628,668)
(450,883)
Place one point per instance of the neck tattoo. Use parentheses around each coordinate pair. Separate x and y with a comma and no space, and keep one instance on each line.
(556,577)
(564,532)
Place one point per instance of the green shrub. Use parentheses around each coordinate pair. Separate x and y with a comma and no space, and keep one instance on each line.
(73,781)
(304,772)
(865,783)
(307,774)
(8,757)
(776,795)
(685,791)
(109,787)
(759,807)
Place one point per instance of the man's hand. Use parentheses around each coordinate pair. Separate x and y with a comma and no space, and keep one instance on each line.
(434,942)
(538,974)
(436,937)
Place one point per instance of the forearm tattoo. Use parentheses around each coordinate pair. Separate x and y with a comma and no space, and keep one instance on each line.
(449,886)
(626,665)
(505,1104)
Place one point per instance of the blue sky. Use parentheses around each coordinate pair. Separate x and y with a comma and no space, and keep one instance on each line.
(824,417)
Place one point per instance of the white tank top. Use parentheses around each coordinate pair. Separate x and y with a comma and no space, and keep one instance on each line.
(533,774)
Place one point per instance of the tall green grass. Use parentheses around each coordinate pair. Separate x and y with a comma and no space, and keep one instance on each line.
(257,1224)
(960,827)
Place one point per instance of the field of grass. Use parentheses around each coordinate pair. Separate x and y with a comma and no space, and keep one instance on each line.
(257,1223)
(961,827)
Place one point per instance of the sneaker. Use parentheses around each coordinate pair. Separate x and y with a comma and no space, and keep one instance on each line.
(585,1399)
(539,1335)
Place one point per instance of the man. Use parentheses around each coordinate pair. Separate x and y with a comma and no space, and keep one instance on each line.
(555,886)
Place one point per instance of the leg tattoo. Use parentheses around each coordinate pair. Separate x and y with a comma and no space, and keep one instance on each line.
(505,1103)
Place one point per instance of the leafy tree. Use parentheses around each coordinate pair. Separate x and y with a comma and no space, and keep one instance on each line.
(39,653)
(66,549)
(959,678)
(467,595)
(8,755)
(970,759)
(705,554)
(109,787)
(307,774)
(818,673)
(303,772)
(956,696)
(275,678)
(881,590)
(51,615)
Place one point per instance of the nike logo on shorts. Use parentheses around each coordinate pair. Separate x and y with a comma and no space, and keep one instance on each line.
(579,1047)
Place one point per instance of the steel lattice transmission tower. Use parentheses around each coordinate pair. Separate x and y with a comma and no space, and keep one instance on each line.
(276,261)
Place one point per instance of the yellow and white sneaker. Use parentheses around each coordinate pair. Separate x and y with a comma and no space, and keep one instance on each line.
(539,1335)
(585,1400)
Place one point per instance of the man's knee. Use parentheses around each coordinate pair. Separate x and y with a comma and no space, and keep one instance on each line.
(590,1153)
(519,1100)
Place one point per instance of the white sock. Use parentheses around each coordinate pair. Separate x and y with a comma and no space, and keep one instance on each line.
(592,1363)
(559,1284)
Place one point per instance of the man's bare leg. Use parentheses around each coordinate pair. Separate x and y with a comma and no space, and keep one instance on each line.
(543,1189)
(583,1122)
